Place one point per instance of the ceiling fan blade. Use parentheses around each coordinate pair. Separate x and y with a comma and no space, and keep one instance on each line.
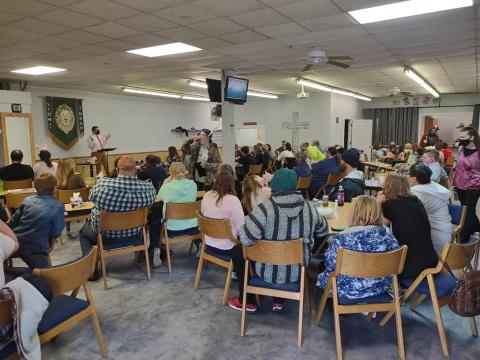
(339,64)
(307,67)
(340,58)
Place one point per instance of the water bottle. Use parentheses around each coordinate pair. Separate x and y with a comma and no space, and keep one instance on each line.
(340,196)
(335,210)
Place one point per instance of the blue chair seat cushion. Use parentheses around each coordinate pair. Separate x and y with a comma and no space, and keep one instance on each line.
(375,299)
(62,308)
(111,244)
(212,252)
(291,287)
(444,284)
(8,350)
(185,232)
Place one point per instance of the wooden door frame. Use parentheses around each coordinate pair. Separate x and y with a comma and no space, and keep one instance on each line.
(3,115)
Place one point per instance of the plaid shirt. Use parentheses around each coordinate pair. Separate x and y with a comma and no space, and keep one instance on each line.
(124,193)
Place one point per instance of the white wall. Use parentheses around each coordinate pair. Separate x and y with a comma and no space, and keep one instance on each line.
(342,107)
(7,98)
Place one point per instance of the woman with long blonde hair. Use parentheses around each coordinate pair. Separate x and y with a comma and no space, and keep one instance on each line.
(66,177)
(365,234)
(255,191)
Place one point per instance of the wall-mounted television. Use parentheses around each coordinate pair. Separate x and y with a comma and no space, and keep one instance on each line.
(214,90)
(236,90)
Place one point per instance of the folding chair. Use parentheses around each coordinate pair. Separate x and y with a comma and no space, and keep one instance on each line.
(255,169)
(122,221)
(66,310)
(303,185)
(276,253)
(217,229)
(17,184)
(458,214)
(179,212)
(9,352)
(439,285)
(331,181)
(365,265)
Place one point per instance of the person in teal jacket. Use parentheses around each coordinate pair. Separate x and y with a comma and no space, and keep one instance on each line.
(176,189)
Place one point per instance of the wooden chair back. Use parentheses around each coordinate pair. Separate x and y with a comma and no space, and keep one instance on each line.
(69,276)
(185,211)
(333,179)
(14,200)
(304,182)
(64,195)
(17,184)
(122,220)
(457,256)
(273,252)
(370,265)
(5,315)
(215,228)
(255,169)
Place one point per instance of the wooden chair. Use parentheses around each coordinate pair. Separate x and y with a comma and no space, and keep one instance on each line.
(217,229)
(179,212)
(122,221)
(331,181)
(438,284)
(17,184)
(365,265)
(14,200)
(458,214)
(303,184)
(450,162)
(10,351)
(66,310)
(276,253)
(64,195)
(255,169)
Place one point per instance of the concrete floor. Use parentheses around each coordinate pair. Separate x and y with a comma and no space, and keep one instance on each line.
(166,319)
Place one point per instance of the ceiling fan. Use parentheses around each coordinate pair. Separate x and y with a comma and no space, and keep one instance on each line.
(395,91)
(317,56)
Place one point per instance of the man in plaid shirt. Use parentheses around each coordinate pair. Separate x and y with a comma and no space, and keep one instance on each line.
(120,194)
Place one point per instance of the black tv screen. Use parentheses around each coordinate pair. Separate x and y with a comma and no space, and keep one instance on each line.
(214,90)
(236,90)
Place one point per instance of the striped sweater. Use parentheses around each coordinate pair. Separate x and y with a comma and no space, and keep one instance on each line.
(285,216)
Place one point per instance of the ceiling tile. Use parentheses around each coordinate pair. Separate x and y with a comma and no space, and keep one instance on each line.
(230,7)
(57,42)
(97,49)
(185,14)
(241,37)
(83,36)
(266,17)
(11,36)
(60,2)
(119,45)
(275,3)
(25,7)
(103,9)
(36,48)
(333,35)
(6,17)
(308,9)
(147,22)
(113,30)
(69,18)
(182,34)
(42,27)
(283,30)
(218,26)
(149,5)
(146,39)
(349,5)
(209,43)
(328,22)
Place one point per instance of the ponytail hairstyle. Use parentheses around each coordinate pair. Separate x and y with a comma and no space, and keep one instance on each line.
(249,187)
(46,157)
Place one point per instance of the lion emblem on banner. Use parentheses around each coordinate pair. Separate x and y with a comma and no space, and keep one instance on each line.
(65,118)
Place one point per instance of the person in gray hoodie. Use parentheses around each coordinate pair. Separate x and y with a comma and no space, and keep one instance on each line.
(434,198)
(353,183)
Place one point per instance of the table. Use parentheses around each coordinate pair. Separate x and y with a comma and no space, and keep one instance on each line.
(378,165)
(81,212)
(200,195)
(343,220)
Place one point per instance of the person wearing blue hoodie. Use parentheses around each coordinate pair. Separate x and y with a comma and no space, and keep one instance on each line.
(321,170)
(176,189)
(301,168)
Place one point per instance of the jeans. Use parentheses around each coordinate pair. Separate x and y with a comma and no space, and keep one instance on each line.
(469,198)
(239,268)
(33,260)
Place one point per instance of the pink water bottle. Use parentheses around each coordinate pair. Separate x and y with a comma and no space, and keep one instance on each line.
(340,196)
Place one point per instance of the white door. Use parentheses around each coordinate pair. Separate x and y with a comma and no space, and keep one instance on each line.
(16,132)
(249,136)
(361,132)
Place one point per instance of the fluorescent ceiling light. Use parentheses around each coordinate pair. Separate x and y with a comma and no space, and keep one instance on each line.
(152,93)
(342,92)
(261,94)
(163,50)
(406,8)
(313,85)
(197,83)
(198,98)
(361,97)
(38,70)
(419,80)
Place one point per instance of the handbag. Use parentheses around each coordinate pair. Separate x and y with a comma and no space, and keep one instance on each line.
(465,299)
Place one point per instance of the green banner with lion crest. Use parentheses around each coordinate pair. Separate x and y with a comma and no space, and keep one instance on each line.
(65,120)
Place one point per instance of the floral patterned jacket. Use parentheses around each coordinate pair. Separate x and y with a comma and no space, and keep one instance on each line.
(213,162)
(372,239)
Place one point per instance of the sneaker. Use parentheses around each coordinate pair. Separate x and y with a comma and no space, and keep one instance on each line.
(234,303)
(278,306)
(234,276)
(156,260)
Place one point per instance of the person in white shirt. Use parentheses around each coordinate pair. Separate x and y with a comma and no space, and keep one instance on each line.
(45,165)
(434,198)
(97,144)
(286,153)
(8,246)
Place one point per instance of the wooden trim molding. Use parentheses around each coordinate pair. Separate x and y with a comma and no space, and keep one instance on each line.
(3,115)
